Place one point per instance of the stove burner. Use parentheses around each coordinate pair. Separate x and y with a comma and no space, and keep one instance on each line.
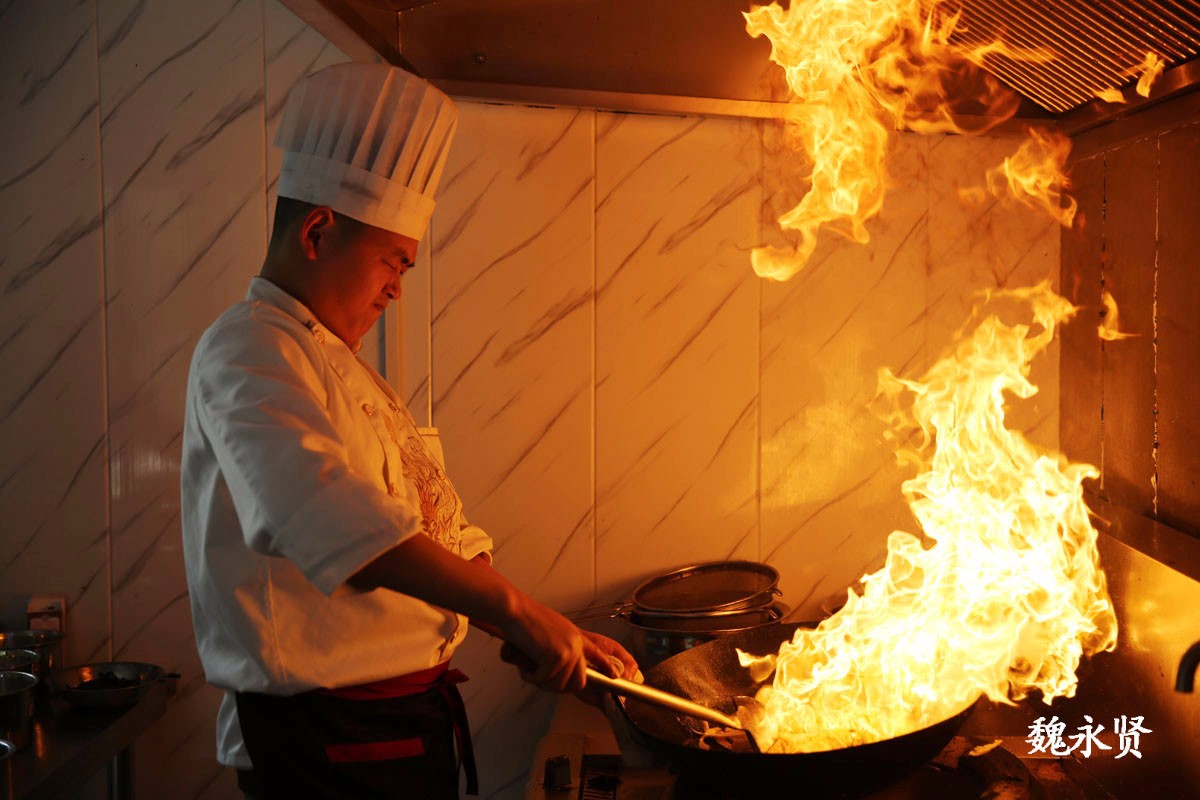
(966,769)
(599,777)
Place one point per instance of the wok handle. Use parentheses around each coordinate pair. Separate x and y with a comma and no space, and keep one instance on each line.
(660,698)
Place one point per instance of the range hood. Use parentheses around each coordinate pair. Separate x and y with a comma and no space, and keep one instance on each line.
(694,56)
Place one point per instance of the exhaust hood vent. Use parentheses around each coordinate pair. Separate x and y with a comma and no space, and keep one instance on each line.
(694,56)
(1096,44)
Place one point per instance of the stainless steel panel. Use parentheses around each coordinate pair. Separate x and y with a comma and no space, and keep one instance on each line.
(1178,358)
(1156,614)
(1128,274)
(1168,546)
(1080,387)
(657,47)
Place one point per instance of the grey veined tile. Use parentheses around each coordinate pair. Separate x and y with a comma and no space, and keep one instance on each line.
(511,324)
(677,211)
(52,423)
(182,134)
(830,484)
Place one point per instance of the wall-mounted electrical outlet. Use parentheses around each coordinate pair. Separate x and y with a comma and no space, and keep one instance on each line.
(47,613)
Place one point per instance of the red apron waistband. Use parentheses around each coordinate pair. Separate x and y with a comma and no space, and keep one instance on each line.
(439,677)
(401,685)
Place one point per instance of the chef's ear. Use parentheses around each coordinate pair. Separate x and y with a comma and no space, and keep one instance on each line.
(314,230)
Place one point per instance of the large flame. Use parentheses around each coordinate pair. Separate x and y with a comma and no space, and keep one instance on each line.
(857,71)
(1002,595)
(1035,175)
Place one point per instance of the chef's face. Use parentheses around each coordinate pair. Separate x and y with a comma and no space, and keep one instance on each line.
(359,270)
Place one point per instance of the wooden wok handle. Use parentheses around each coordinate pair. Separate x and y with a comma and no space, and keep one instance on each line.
(660,698)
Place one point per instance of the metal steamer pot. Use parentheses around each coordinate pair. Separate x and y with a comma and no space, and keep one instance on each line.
(710,675)
(653,639)
(672,612)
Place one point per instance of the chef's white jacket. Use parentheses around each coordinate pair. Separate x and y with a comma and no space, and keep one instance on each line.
(300,466)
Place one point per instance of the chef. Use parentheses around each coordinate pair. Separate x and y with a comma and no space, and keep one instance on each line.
(331,570)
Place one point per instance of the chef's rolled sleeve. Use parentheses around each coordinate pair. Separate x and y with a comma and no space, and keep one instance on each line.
(357,531)
(262,404)
(475,542)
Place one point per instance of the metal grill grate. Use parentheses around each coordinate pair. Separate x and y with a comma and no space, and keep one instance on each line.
(1096,44)
(599,777)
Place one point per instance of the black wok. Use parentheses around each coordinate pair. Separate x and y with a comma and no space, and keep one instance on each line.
(710,675)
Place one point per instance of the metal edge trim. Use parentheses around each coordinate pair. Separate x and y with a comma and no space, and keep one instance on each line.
(1176,81)
(1166,545)
(672,105)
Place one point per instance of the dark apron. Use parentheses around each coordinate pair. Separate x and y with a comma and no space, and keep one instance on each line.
(388,739)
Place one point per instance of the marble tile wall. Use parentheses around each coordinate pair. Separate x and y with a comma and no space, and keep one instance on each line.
(181,104)
(617,393)
(993,244)
(53,483)
(512,321)
(829,482)
(161,114)
(676,344)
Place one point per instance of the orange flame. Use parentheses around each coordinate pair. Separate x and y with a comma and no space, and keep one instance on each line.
(1034,176)
(858,70)
(1109,329)
(1005,594)
(1111,95)
(1150,69)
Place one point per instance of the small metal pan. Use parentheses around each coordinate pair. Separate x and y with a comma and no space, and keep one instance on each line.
(71,684)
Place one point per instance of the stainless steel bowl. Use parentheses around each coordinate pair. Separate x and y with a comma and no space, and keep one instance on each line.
(72,683)
(47,644)
(7,748)
(18,660)
(16,707)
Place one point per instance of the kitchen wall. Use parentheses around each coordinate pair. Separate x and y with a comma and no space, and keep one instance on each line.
(134,199)
(618,394)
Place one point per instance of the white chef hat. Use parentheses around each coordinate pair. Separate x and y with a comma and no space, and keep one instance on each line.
(369,141)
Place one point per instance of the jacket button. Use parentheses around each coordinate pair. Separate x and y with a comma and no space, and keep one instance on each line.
(395,409)
(368,409)
(392,490)
(320,337)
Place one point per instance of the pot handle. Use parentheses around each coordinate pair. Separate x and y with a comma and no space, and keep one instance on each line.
(602,611)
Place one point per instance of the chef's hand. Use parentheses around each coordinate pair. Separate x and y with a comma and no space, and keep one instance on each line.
(550,650)
(618,664)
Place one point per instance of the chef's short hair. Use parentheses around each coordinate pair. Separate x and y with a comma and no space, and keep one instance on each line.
(290,211)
